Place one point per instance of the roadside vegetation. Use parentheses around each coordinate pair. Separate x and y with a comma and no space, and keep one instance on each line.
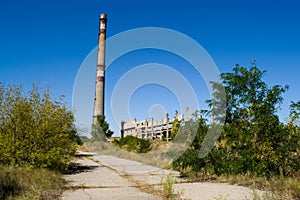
(37,141)
(26,184)
(255,147)
(131,143)
(100,130)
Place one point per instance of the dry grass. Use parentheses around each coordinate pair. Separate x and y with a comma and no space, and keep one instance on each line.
(152,158)
(23,184)
(277,188)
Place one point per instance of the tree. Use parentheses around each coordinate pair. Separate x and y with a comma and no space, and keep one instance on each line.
(35,130)
(101,129)
(248,97)
(294,113)
(253,139)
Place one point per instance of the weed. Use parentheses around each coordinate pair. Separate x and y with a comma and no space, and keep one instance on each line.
(168,186)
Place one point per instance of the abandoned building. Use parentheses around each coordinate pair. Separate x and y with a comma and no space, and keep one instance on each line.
(149,129)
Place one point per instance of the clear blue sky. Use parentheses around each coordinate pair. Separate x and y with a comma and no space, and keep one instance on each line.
(46,41)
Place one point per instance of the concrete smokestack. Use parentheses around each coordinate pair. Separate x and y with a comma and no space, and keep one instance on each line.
(100,77)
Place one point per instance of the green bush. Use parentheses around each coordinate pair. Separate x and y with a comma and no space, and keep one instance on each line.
(35,130)
(131,143)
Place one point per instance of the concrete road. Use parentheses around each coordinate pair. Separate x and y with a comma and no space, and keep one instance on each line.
(108,177)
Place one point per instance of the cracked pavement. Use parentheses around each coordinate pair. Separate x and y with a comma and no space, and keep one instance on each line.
(107,177)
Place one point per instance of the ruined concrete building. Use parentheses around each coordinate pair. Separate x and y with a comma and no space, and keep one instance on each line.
(149,129)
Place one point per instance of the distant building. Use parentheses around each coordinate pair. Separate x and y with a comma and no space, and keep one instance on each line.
(149,129)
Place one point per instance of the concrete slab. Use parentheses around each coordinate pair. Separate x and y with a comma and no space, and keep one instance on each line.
(98,181)
(117,178)
(207,191)
(99,177)
(109,194)
(124,165)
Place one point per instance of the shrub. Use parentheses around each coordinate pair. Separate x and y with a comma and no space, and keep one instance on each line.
(131,143)
(35,130)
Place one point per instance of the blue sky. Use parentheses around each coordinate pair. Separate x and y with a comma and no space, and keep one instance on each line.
(45,42)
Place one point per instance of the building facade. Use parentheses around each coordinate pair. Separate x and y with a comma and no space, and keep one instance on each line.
(149,129)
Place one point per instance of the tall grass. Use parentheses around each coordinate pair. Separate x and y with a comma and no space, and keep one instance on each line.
(25,184)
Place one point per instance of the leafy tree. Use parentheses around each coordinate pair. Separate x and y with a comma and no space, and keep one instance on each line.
(249,98)
(253,133)
(101,129)
(35,130)
(295,113)
(253,139)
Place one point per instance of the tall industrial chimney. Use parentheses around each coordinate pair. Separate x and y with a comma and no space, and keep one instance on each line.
(100,71)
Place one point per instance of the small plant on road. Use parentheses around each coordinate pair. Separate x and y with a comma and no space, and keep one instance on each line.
(168,186)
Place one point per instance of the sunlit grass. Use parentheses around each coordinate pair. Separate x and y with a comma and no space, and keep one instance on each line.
(23,184)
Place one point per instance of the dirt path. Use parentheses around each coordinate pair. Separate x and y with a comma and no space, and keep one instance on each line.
(107,177)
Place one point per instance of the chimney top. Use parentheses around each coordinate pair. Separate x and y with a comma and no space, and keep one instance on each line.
(103,16)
